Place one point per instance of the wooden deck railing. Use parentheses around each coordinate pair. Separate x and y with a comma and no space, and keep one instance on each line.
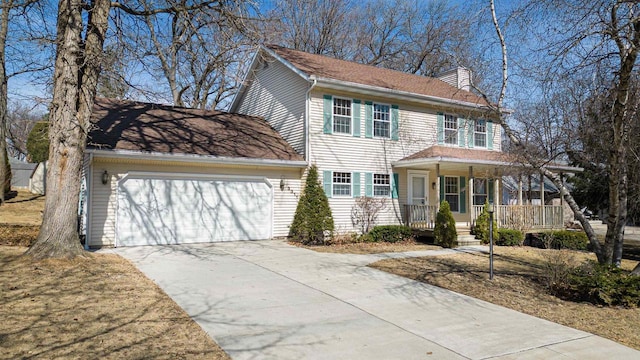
(421,216)
(507,216)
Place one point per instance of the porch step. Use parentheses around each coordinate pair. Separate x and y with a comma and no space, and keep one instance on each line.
(466,239)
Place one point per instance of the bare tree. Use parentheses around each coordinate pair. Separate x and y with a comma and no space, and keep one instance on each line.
(616,26)
(81,31)
(20,121)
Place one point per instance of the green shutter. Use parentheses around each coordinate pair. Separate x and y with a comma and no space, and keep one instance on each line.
(491,190)
(355,185)
(326,180)
(328,114)
(489,134)
(394,186)
(440,128)
(471,129)
(368,119)
(394,122)
(368,184)
(356,118)
(463,195)
(441,188)
(461,132)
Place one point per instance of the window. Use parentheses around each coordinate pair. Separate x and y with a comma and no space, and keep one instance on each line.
(341,116)
(480,133)
(341,184)
(450,130)
(381,185)
(381,121)
(451,193)
(480,191)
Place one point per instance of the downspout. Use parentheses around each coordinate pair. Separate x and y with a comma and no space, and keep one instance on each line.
(89,189)
(307,121)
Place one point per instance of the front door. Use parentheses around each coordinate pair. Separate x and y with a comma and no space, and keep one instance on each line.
(418,188)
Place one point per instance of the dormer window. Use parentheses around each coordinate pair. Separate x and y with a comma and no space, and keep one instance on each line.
(341,116)
(450,130)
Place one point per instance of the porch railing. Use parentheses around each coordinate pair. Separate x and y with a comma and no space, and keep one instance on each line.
(507,216)
(421,216)
(530,216)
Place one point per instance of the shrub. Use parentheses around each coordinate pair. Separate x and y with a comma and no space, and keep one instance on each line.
(313,219)
(38,142)
(364,212)
(389,233)
(445,233)
(565,239)
(510,237)
(605,285)
(481,229)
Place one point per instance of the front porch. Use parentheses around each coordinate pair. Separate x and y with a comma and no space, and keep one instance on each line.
(522,217)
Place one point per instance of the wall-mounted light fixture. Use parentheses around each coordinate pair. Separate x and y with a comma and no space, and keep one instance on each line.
(282,184)
(433,185)
(105,177)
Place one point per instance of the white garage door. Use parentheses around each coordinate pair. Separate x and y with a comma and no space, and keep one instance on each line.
(178,210)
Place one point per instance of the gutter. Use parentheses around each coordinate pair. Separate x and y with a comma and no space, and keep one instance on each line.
(440,159)
(307,122)
(194,158)
(397,94)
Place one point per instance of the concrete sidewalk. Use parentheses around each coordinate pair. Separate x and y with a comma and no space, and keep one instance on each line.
(269,300)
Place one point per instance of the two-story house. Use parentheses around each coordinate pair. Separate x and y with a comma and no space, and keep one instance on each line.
(157,174)
(376,132)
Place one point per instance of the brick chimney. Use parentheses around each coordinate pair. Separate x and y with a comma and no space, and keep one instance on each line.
(459,77)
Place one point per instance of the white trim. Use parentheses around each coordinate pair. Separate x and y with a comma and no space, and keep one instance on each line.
(373,185)
(89,190)
(350,195)
(373,120)
(333,129)
(187,176)
(410,174)
(307,121)
(192,158)
(285,63)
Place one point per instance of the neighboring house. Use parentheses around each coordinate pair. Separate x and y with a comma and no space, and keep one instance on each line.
(164,175)
(20,173)
(410,139)
(38,179)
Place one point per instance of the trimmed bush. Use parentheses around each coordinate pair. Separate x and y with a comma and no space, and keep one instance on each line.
(565,239)
(313,219)
(389,233)
(481,229)
(604,285)
(510,237)
(38,142)
(445,233)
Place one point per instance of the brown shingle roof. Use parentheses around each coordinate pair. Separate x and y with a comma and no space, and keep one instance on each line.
(137,126)
(327,67)
(448,152)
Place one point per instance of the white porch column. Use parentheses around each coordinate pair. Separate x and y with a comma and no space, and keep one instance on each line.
(438,185)
(520,189)
(542,203)
(472,212)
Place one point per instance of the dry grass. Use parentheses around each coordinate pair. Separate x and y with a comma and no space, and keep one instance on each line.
(24,209)
(518,284)
(370,247)
(99,307)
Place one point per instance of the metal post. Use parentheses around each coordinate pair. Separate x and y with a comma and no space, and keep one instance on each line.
(490,241)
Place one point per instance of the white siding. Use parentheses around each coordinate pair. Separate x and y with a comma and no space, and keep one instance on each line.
(417,130)
(103,202)
(278,94)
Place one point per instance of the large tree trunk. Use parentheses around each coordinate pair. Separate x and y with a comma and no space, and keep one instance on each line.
(74,87)
(5,176)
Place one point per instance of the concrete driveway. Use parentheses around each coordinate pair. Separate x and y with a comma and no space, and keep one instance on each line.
(270,300)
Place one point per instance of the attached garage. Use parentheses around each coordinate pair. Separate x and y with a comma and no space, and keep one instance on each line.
(162,175)
(168,209)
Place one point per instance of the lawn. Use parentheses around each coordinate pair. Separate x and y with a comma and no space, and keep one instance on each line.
(97,307)
(519,285)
